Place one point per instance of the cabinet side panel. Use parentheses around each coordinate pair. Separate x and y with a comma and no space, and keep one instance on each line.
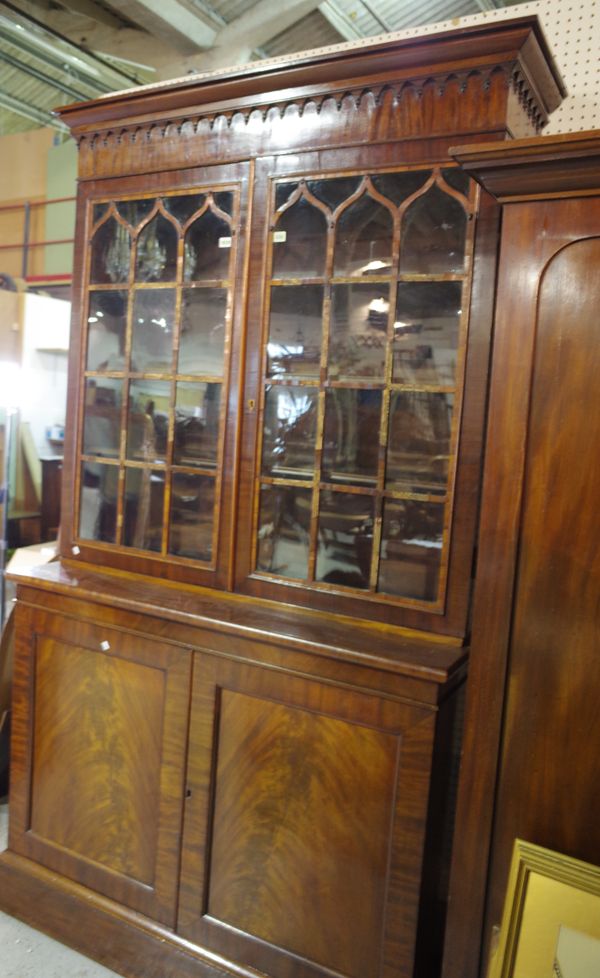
(552,797)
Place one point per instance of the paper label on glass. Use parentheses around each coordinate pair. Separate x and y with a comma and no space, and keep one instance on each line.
(225,242)
(279,236)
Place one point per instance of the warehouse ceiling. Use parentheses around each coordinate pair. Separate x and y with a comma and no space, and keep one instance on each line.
(53,52)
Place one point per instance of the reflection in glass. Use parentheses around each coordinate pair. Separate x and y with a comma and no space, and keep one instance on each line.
(289,431)
(419,441)
(153,319)
(110,253)
(107,322)
(156,252)
(134,211)
(351,436)
(143,509)
(363,239)
(426,332)
(197,424)
(192,513)
(284,531)
(182,207)
(147,420)
(98,502)
(457,179)
(295,327)
(202,338)
(433,235)
(398,187)
(207,249)
(102,417)
(358,335)
(411,548)
(345,539)
(300,245)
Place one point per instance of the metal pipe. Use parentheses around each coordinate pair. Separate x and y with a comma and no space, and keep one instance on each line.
(26,224)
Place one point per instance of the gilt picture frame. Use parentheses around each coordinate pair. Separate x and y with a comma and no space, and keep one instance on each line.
(551,921)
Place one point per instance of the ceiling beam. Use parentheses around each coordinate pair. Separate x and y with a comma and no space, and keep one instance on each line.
(87,8)
(236,42)
(56,83)
(339,19)
(182,27)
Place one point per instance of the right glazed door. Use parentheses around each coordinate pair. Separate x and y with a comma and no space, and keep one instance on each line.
(356,367)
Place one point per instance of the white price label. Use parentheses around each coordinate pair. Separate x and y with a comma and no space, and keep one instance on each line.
(224,242)
(279,236)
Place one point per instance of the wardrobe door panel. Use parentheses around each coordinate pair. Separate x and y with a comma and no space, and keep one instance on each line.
(304,824)
(99,792)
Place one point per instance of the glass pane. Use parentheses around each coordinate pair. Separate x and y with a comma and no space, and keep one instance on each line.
(295,328)
(224,201)
(433,235)
(97,212)
(334,192)
(192,513)
(111,251)
(345,539)
(426,332)
(351,437)
(98,502)
(107,323)
(411,548)
(143,509)
(207,249)
(202,338)
(153,320)
(156,252)
(102,418)
(301,242)
(134,211)
(148,420)
(457,179)
(363,239)
(289,432)
(397,187)
(283,192)
(419,441)
(359,318)
(284,531)
(182,207)
(197,424)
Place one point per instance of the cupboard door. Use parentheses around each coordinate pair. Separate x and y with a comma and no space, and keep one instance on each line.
(100,722)
(304,823)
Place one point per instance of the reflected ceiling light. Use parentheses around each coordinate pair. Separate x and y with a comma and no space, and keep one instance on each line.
(375,265)
(379,305)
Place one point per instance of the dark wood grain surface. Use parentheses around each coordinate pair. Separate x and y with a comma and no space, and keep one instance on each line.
(533,675)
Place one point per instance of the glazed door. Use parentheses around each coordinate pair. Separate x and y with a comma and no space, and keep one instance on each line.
(352,495)
(304,824)
(152,465)
(100,725)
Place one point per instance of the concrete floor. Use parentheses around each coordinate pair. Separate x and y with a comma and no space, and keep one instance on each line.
(25,953)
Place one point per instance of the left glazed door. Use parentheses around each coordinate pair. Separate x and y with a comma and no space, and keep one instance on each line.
(100,726)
